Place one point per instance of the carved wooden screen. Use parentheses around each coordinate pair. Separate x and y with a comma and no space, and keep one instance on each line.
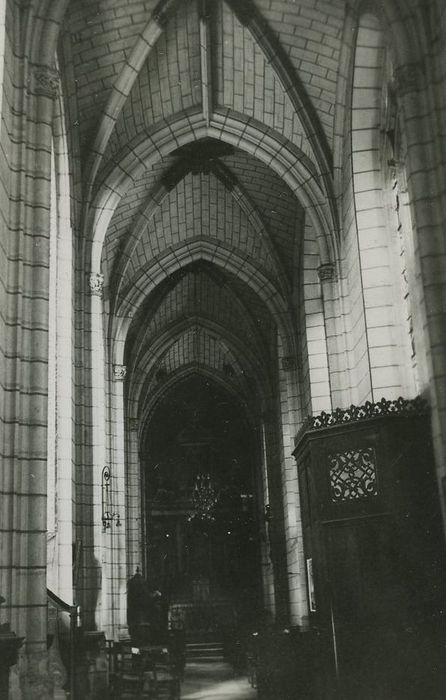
(372,531)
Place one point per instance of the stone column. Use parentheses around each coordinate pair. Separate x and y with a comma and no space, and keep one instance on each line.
(335,336)
(290,492)
(277,525)
(116,544)
(23,473)
(94,540)
(426,182)
(265,545)
(134,493)
(63,585)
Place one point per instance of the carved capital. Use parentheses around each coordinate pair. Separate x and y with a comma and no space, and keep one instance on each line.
(119,372)
(46,82)
(326,272)
(96,283)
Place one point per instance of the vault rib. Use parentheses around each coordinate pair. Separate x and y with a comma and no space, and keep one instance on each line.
(206,60)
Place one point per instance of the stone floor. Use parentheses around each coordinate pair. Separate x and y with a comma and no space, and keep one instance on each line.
(214,680)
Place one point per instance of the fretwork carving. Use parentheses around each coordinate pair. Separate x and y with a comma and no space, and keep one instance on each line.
(353,475)
(385,407)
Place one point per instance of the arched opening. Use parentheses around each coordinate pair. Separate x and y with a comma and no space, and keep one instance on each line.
(202,503)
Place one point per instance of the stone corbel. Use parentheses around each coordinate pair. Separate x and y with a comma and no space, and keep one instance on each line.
(119,373)
(326,272)
(46,82)
(96,284)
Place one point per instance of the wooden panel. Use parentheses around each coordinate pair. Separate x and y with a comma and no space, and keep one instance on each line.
(372,529)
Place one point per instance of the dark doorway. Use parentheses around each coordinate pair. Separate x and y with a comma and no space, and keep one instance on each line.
(199,456)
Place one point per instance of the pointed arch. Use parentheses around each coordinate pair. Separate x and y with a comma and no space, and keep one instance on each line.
(155,200)
(189,370)
(123,85)
(164,340)
(248,135)
(224,257)
(141,337)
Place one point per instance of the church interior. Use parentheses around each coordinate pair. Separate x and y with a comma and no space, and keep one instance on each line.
(223,349)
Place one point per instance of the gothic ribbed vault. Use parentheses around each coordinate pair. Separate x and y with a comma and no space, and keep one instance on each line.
(205,147)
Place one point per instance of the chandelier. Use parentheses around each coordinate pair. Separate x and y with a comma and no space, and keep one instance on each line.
(204,499)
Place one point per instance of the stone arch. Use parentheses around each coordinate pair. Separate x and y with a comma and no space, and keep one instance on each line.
(225,258)
(135,510)
(123,85)
(155,200)
(241,308)
(189,370)
(162,342)
(284,159)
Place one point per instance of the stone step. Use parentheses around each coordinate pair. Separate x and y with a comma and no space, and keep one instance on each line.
(204,646)
(204,651)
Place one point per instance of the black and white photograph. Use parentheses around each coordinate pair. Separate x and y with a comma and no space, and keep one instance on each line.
(223,349)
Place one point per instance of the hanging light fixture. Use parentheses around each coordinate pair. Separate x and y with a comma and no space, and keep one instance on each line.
(204,499)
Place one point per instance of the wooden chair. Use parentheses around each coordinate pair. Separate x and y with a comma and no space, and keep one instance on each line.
(167,677)
(133,677)
(176,645)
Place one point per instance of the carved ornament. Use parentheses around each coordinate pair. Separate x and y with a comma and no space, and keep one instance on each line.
(46,82)
(96,283)
(384,407)
(326,272)
(119,372)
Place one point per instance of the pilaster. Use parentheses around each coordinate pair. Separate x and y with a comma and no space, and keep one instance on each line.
(426,180)
(134,486)
(24,467)
(116,545)
(96,607)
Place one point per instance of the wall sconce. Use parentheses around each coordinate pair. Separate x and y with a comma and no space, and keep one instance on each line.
(108,514)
